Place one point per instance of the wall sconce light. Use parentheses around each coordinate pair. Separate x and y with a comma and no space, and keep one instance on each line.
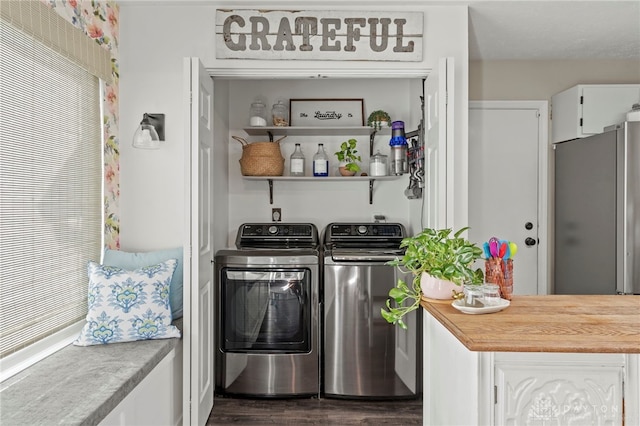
(150,132)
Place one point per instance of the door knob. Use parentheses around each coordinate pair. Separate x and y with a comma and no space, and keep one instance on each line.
(528,226)
(530,241)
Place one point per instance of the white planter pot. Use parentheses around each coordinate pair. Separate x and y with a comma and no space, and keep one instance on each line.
(342,169)
(435,288)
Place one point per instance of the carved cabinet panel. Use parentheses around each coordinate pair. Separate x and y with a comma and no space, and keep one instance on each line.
(558,394)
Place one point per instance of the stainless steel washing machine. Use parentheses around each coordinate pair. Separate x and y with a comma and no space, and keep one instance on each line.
(364,356)
(267,300)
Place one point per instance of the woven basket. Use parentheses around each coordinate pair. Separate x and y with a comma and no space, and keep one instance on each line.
(261,158)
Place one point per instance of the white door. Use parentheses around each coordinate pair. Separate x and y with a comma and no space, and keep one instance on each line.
(438,120)
(507,151)
(438,125)
(199,277)
(406,346)
(436,137)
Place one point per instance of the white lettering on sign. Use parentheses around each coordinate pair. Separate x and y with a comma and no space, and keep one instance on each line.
(319,35)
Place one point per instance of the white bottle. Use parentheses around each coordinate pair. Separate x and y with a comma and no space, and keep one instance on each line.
(320,162)
(296,164)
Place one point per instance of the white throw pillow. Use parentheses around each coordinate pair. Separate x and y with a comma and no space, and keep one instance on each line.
(126,306)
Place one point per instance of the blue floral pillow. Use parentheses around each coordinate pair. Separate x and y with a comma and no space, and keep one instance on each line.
(125,306)
(131,261)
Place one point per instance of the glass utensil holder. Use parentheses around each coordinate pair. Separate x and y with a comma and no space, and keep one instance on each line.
(500,271)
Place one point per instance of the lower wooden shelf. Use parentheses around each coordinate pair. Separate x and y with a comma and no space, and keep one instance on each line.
(371,179)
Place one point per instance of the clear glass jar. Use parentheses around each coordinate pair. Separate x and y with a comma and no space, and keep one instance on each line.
(296,162)
(280,114)
(378,165)
(258,115)
(473,295)
(321,162)
(491,294)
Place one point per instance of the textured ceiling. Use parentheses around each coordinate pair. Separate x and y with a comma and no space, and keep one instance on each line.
(546,30)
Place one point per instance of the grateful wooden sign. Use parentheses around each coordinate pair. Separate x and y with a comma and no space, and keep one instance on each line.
(319,35)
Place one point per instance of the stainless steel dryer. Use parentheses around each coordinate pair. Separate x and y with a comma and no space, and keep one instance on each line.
(364,356)
(267,302)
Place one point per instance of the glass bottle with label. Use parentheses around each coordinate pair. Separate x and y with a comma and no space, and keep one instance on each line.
(321,162)
(296,164)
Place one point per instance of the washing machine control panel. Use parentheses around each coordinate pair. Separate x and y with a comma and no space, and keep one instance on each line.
(281,229)
(277,235)
(337,231)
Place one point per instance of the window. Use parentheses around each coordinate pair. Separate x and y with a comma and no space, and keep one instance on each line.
(50,186)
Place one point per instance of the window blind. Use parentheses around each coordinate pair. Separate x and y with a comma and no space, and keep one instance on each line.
(50,188)
(38,20)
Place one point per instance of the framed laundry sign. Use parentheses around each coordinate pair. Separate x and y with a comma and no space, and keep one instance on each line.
(326,112)
(319,35)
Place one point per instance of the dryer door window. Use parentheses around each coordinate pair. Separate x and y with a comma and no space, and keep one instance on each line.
(266,310)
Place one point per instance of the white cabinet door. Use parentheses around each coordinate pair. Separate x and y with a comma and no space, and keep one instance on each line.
(586,109)
(604,106)
(559,391)
(155,401)
(199,251)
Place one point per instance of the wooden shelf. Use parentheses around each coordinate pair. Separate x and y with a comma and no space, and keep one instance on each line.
(308,131)
(313,131)
(276,131)
(370,179)
(322,179)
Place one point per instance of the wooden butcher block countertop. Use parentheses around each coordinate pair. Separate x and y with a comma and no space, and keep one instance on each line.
(554,323)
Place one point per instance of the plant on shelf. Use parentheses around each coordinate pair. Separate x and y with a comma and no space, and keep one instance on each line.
(378,118)
(348,157)
(433,254)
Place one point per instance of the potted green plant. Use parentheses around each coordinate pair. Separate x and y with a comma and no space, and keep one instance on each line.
(348,157)
(379,119)
(440,262)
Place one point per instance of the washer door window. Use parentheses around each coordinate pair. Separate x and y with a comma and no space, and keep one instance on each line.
(266,310)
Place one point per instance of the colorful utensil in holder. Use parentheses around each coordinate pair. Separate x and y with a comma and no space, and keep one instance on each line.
(499,264)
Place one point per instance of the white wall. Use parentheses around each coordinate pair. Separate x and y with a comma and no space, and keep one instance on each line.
(154,39)
(153,42)
(539,80)
(319,202)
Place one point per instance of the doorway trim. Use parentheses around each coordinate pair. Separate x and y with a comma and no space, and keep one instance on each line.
(544,152)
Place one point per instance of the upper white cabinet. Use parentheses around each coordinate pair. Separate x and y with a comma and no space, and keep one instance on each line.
(586,109)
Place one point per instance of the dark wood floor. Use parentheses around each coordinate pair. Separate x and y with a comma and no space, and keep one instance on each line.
(314,411)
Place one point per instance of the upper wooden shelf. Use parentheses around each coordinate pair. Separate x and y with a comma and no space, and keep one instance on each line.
(323,178)
(313,131)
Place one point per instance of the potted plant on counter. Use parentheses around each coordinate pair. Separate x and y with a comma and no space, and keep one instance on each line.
(348,157)
(440,262)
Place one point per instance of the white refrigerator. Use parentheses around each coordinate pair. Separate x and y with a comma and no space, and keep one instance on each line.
(597,213)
